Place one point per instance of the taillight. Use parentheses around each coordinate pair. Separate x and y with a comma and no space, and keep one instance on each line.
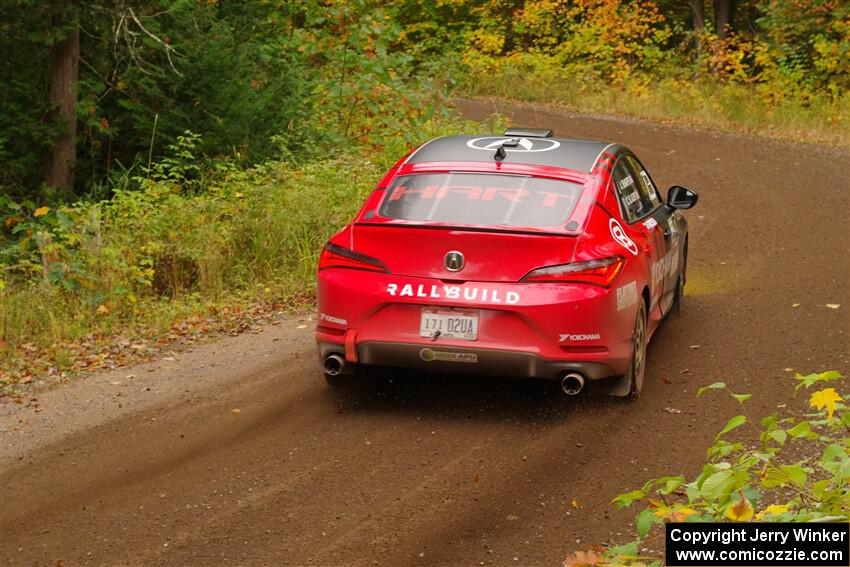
(334,256)
(597,272)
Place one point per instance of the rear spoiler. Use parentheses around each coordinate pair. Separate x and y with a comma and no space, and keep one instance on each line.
(529,132)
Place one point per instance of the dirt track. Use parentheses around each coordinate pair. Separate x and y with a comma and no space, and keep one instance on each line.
(159,470)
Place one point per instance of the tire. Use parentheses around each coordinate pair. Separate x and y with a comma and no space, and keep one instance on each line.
(637,366)
(679,298)
(679,295)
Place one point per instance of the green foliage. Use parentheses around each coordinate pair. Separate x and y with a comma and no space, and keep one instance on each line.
(258,80)
(795,470)
(179,233)
(782,71)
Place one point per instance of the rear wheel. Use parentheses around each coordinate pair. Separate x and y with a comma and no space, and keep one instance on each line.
(637,367)
(679,297)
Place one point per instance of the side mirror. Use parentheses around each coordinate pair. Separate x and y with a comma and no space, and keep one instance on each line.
(679,197)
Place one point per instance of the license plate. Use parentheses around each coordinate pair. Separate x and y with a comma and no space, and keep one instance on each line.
(449,323)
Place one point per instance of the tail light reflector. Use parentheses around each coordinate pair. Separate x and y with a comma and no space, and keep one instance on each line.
(334,256)
(596,272)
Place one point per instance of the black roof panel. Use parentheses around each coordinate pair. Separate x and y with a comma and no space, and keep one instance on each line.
(579,155)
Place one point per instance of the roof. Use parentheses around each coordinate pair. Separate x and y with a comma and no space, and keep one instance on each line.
(578,155)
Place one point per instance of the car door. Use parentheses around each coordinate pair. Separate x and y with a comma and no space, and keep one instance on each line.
(637,208)
(669,229)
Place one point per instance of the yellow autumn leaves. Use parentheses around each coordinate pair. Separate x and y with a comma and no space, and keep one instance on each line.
(826,398)
(742,510)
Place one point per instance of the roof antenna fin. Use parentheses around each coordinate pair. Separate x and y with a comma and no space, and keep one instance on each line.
(501,152)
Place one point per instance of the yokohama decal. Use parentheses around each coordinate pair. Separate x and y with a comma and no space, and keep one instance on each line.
(620,236)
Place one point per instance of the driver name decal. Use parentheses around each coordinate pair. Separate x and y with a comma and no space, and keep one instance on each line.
(620,236)
(627,296)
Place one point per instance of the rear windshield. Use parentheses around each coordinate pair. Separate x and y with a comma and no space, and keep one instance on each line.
(480,199)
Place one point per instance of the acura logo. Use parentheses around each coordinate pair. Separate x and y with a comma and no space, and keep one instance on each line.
(454,261)
(522,144)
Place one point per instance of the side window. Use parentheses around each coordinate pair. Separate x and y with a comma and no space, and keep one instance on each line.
(647,188)
(628,191)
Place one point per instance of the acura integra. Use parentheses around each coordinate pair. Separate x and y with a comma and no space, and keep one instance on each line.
(518,255)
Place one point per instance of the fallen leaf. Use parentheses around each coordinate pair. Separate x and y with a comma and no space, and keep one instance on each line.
(41,211)
(740,511)
(672,410)
(235,411)
(666,381)
(795,305)
(102,310)
(680,515)
(585,559)
(833,305)
(772,510)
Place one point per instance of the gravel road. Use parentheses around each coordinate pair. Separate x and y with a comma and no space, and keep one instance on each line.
(235,452)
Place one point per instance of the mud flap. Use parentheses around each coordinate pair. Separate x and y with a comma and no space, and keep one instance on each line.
(619,386)
(351,346)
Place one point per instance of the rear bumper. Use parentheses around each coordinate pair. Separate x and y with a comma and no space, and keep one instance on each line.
(531,330)
(492,362)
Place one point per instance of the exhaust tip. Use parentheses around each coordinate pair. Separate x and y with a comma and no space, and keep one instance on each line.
(334,364)
(572,383)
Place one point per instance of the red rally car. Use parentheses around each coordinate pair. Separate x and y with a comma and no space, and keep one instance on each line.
(517,255)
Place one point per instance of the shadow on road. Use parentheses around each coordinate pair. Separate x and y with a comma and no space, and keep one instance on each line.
(419,394)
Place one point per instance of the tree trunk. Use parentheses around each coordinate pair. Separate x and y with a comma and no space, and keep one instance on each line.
(698,13)
(64,68)
(724,13)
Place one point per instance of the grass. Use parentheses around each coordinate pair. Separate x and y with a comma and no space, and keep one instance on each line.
(163,251)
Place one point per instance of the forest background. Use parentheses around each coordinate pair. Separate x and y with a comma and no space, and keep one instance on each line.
(174,167)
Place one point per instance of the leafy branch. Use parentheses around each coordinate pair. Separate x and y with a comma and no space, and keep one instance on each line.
(738,479)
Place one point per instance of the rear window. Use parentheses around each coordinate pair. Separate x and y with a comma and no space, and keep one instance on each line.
(480,199)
